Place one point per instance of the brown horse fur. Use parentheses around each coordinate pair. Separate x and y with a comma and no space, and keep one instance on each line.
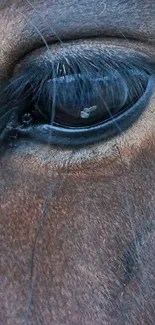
(77,239)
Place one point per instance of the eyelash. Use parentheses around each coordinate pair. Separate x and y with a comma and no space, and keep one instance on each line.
(41,86)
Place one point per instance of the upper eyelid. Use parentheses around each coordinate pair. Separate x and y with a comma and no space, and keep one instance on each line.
(86,66)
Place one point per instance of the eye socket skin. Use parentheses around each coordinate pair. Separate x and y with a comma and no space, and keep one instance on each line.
(77,223)
(87,135)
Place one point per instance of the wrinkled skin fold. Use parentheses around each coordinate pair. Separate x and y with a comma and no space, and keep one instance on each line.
(77,228)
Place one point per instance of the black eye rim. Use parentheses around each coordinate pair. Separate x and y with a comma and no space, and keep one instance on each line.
(82,136)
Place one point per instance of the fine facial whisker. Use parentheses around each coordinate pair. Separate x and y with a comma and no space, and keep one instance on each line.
(36,29)
(49,26)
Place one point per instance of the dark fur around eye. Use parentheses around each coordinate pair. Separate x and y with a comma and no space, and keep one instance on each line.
(64,90)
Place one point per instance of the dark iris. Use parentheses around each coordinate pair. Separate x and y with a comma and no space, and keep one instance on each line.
(77,101)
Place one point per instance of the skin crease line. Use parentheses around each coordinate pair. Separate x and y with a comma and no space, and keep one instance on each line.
(77,229)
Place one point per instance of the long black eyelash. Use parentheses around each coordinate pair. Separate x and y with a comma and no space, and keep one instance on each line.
(30,84)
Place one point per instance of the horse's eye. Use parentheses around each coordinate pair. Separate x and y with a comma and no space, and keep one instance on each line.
(79,101)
